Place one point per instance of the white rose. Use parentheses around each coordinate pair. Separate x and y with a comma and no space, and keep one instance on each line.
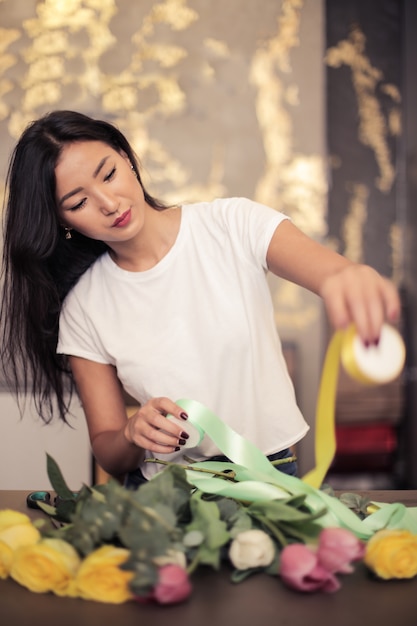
(252,548)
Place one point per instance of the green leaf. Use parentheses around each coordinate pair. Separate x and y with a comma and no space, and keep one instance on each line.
(193,538)
(358,504)
(305,532)
(65,510)
(57,480)
(169,487)
(241,574)
(47,508)
(153,541)
(276,511)
(81,536)
(145,578)
(206,519)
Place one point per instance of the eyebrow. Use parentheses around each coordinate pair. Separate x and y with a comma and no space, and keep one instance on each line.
(78,189)
(99,167)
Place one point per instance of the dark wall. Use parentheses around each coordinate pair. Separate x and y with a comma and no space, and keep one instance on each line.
(371,58)
(410,228)
(364,58)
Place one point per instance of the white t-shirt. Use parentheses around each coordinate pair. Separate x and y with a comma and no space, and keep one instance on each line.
(198,325)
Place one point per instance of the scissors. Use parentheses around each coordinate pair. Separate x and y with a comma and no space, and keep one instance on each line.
(35,497)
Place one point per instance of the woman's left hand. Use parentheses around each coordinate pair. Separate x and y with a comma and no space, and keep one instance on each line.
(358,294)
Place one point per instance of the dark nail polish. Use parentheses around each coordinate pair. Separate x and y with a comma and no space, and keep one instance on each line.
(184,416)
(177,449)
(181,442)
(184,435)
(376,341)
(366,344)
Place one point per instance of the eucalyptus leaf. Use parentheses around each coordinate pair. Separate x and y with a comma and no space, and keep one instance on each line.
(206,519)
(65,510)
(154,542)
(193,538)
(168,487)
(145,578)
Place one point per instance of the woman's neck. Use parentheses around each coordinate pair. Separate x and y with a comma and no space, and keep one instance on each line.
(152,243)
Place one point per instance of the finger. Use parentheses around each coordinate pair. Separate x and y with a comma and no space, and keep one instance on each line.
(367,312)
(380,302)
(337,311)
(157,440)
(173,428)
(350,306)
(392,300)
(149,429)
(166,406)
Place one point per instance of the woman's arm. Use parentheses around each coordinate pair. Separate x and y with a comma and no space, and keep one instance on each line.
(119,442)
(351,292)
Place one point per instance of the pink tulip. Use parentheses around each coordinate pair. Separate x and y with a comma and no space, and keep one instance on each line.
(300,569)
(337,548)
(173,586)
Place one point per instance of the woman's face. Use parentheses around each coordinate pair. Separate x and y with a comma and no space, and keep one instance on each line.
(98,193)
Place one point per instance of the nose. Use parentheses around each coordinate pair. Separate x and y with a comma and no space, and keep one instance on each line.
(107,203)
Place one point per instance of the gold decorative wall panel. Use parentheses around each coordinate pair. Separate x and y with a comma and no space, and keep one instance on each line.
(207,92)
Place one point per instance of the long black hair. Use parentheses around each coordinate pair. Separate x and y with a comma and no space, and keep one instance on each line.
(40,265)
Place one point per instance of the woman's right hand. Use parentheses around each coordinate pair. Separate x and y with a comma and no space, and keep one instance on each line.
(148,427)
(119,442)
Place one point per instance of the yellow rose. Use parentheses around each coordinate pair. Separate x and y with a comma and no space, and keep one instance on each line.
(100,577)
(20,535)
(6,558)
(8,518)
(16,531)
(49,565)
(392,554)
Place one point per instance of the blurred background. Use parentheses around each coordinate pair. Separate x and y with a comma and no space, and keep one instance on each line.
(308,106)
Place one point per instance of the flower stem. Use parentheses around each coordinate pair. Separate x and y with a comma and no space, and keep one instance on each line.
(274,530)
(230,474)
(288,459)
(193,564)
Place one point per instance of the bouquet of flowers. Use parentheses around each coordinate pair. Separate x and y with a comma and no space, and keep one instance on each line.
(111,544)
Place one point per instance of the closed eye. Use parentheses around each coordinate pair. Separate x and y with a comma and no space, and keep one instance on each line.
(79,205)
(110,175)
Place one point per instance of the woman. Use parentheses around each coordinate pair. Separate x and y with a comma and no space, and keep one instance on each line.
(106,288)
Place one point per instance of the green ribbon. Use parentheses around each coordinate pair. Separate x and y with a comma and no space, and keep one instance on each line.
(255,479)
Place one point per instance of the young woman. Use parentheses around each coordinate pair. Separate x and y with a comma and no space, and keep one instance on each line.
(106,288)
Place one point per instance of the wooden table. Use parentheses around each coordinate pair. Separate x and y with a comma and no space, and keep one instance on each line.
(259,600)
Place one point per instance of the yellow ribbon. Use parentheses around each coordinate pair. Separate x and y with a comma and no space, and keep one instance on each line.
(345,346)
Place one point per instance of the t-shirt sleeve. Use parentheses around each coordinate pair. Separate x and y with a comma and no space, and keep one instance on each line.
(77,335)
(251,225)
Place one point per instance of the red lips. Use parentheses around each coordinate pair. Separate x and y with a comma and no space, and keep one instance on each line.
(122,220)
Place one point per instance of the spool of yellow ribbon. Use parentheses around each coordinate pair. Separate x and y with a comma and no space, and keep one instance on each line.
(373,365)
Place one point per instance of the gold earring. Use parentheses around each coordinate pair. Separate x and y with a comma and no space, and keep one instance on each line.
(68,233)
